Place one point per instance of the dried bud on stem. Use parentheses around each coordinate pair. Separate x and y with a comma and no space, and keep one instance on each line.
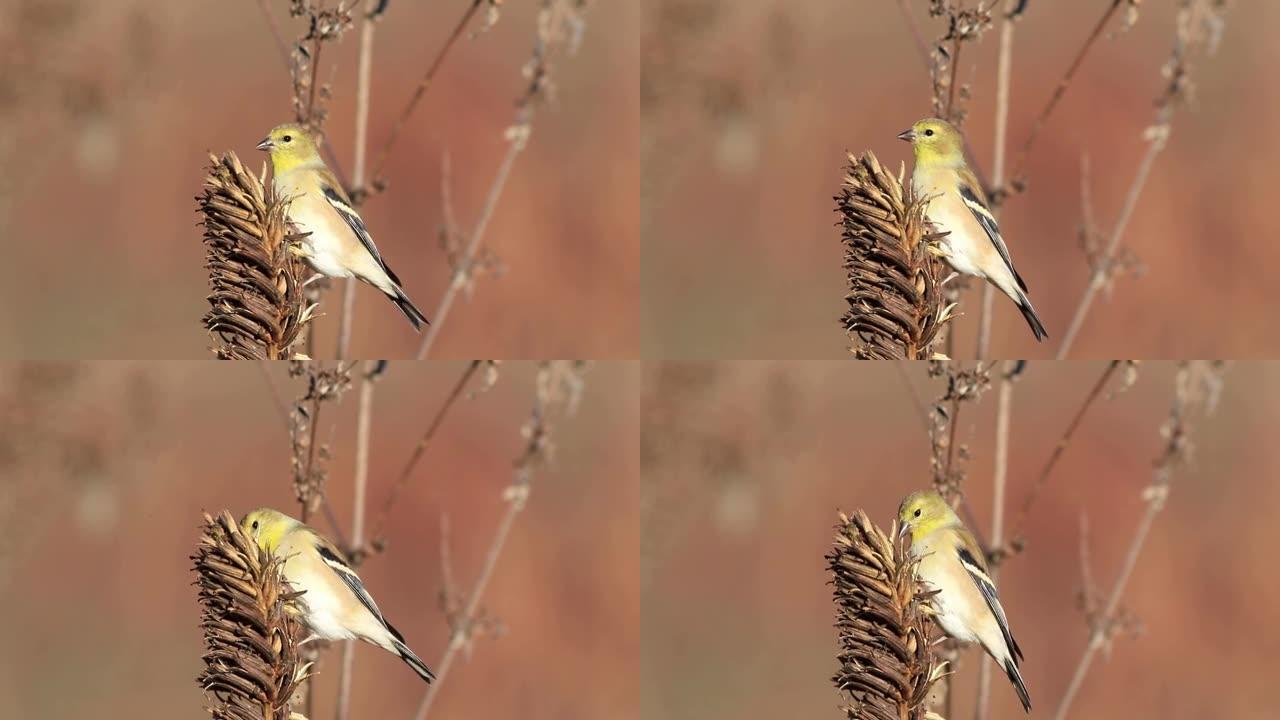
(896,305)
(887,664)
(257,308)
(251,657)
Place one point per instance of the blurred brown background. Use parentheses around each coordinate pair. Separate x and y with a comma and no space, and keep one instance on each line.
(745,466)
(748,108)
(105,469)
(108,110)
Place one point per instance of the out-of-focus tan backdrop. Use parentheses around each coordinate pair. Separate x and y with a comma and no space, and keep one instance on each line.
(107,111)
(105,469)
(745,466)
(748,108)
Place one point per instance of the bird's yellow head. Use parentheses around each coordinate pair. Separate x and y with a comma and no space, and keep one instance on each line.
(935,142)
(291,146)
(267,527)
(923,512)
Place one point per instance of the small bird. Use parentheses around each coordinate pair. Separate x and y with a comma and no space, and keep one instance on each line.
(334,603)
(339,244)
(951,562)
(958,206)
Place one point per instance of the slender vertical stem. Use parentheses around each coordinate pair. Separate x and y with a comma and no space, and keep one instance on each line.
(364,424)
(274,27)
(1060,448)
(1102,268)
(463,274)
(418,451)
(951,86)
(463,631)
(419,91)
(276,398)
(1098,636)
(1004,409)
(921,46)
(1004,72)
(363,81)
(1061,89)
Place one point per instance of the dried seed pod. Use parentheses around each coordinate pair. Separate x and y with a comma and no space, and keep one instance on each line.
(252,664)
(257,308)
(887,664)
(896,305)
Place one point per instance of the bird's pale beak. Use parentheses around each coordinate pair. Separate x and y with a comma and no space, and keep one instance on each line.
(909,135)
(902,531)
(266,144)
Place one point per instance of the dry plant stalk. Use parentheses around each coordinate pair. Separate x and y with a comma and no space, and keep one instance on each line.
(963,25)
(558,388)
(1199,27)
(560,26)
(1197,387)
(310,457)
(896,305)
(949,456)
(252,664)
(887,664)
(257,311)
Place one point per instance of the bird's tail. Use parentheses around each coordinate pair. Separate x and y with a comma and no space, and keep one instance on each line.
(1015,677)
(413,661)
(1028,312)
(407,307)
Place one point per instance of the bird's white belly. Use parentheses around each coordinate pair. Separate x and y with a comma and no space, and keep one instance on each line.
(321,247)
(322,617)
(961,249)
(951,602)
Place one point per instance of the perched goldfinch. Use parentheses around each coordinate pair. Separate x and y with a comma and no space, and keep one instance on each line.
(952,563)
(339,244)
(958,206)
(334,603)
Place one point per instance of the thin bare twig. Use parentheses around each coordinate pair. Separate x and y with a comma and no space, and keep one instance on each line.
(1198,30)
(364,424)
(921,409)
(1004,409)
(1058,92)
(274,390)
(274,27)
(364,71)
(558,386)
(464,272)
(922,47)
(1196,388)
(559,27)
(379,525)
(1019,526)
(1004,72)
(1104,265)
(418,92)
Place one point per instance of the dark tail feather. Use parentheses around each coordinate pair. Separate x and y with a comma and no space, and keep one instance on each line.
(1028,312)
(416,663)
(1016,678)
(410,310)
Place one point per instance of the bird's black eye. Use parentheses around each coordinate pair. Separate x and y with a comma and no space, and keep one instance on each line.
(929,133)
(287,138)
(255,522)
(917,514)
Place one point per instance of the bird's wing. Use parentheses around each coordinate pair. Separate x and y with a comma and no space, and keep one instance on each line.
(971,559)
(338,201)
(334,561)
(972,197)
